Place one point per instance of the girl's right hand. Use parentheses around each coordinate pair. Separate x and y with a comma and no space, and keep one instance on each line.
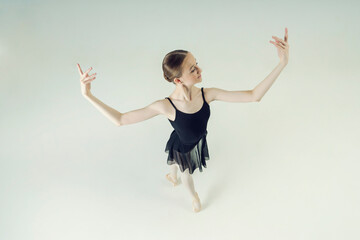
(85,80)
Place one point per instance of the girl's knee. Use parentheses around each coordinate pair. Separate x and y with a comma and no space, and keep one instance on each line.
(186,172)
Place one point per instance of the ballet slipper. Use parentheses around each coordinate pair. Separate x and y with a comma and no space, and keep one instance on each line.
(196,203)
(174,182)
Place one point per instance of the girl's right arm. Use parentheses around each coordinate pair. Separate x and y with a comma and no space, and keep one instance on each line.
(135,116)
(119,119)
(109,112)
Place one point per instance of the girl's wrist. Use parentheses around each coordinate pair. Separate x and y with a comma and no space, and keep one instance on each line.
(87,95)
(284,63)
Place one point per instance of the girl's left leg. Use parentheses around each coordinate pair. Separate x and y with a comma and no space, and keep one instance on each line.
(188,181)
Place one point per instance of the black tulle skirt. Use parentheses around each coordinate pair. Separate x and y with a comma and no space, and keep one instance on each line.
(187,156)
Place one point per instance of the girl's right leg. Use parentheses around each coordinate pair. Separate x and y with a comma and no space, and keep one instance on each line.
(172,176)
(173,170)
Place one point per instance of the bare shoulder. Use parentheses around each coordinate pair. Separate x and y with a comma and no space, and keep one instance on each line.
(163,107)
(159,105)
(209,94)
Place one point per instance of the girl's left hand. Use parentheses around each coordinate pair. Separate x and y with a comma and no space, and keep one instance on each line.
(282,47)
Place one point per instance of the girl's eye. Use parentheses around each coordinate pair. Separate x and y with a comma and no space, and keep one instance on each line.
(194,68)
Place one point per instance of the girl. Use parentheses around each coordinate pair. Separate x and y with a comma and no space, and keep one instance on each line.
(187,109)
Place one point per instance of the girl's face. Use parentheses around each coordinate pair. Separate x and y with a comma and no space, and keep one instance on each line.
(191,71)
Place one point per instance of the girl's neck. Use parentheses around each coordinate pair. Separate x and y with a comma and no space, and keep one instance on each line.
(184,93)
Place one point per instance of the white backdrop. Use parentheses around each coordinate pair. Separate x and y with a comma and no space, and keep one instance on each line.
(282,168)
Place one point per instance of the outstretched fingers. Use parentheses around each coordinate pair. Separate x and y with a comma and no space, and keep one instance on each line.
(286,37)
(279,40)
(89,78)
(87,71)
(277,44)
(80,71)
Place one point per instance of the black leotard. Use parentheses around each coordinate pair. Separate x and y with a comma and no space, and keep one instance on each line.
(187,144)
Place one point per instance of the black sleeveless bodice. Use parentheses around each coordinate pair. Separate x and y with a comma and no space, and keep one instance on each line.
(187,144)
(190,127)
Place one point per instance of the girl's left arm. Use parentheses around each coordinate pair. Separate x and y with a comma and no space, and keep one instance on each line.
(282,46)
(260,90)
(253,95)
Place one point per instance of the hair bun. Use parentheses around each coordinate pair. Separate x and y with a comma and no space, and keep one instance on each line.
(166,77)
(172,64)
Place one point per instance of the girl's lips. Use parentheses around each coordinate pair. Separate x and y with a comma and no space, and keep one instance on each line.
(199,76)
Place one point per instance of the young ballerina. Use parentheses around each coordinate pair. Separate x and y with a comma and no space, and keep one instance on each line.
(187,110)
